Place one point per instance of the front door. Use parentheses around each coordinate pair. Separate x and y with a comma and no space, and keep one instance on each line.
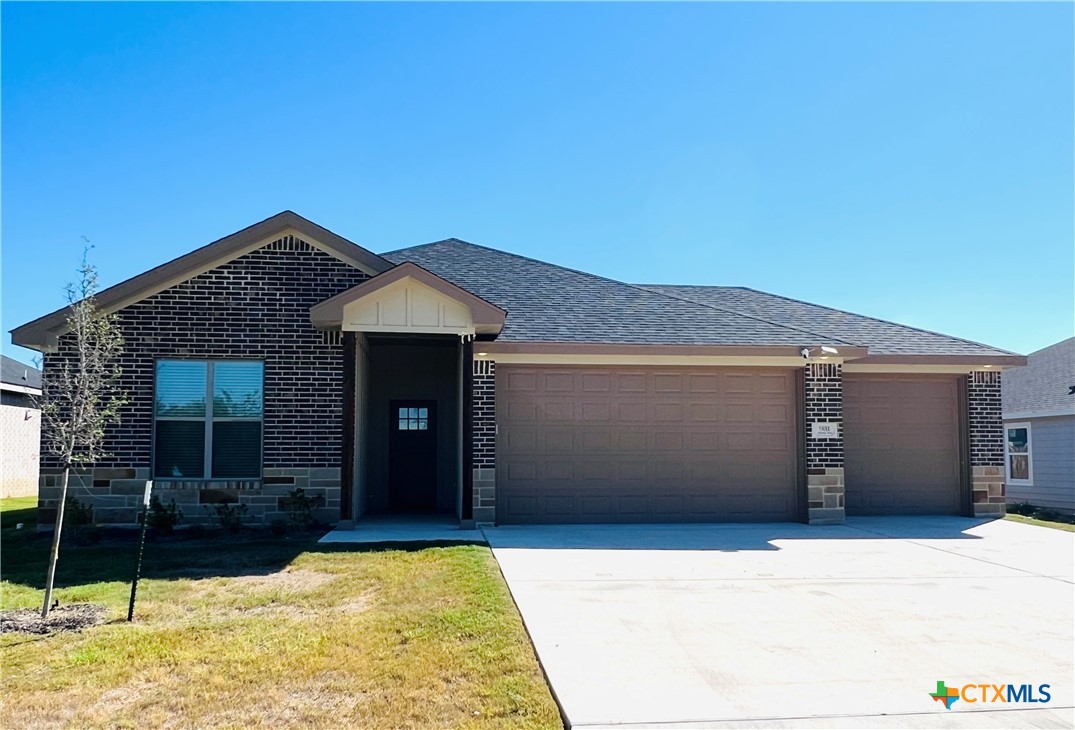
(412,455)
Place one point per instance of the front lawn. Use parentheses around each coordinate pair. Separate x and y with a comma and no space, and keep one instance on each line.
(259,631)
(1041,523)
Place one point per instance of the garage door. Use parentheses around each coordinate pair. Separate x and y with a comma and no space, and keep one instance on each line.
(901,444)
(592,445)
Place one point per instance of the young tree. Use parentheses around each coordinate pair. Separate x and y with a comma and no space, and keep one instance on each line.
(80,394)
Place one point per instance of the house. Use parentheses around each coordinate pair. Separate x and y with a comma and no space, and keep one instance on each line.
(454,378)
(20,428)
(1039,420)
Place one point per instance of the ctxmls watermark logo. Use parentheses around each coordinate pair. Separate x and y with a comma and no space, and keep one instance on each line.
(974,693)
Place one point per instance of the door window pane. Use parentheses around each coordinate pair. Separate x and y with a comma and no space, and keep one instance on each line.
(180,449)
(423,424)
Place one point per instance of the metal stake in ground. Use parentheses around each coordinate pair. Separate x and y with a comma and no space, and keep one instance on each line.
(141,548)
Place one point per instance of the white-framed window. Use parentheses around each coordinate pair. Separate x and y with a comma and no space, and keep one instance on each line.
(1018,453)
(208,419)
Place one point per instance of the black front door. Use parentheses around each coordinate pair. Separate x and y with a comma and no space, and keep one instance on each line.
(412,455)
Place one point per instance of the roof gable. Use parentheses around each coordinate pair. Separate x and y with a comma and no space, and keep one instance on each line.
(408,298)
(1043,386)
(41,333)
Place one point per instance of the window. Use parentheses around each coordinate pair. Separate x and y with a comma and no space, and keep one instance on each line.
(208,419)
(413,419)
(1019,462)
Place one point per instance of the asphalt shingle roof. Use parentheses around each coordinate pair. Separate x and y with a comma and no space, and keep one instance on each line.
(17,373)
(883,338)
(551,303)
(1043,385)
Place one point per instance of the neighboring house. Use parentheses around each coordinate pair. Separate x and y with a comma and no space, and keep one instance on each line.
(20,428)
(1039,419)
(455,378)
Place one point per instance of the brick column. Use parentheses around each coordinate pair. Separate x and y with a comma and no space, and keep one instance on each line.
(824,403)
(986,435)
(484,452)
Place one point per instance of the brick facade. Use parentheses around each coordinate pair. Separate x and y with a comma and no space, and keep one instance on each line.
(484,451)
(823,399)
(254,306)
(986,432)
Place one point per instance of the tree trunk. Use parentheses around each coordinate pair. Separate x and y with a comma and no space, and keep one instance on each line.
(55,554)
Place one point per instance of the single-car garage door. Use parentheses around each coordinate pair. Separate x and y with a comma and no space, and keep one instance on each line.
(901,444)
(593,445)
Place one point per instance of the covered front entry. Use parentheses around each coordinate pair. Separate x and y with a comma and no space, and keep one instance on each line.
(902,444)
(593,444)
(408,431)
(408,339)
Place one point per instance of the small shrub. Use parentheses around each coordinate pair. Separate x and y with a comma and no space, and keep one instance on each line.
(79,520)
(197,532)
(300,507)
(229,515)
(278,528)
(162,518)
(77,513)
(1022,508)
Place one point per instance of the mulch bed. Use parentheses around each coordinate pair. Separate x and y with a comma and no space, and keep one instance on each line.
(75,617)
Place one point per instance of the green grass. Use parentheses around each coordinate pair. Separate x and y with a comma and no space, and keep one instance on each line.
(250,631)
(1041,523)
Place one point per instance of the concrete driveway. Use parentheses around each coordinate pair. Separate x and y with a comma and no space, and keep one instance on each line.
(792,626)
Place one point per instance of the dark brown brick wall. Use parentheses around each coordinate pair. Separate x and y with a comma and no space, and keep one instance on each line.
(824,404)
(985,418)
(484,414)
(255,306)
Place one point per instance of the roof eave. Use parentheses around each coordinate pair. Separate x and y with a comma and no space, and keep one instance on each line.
(993,360)
(596,348)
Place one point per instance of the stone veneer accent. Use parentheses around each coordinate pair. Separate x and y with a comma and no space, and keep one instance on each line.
(116,494)
(824,399)
(255,306)
(484,451)
(986,426)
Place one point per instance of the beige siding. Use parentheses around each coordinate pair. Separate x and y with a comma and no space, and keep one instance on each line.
(20,433)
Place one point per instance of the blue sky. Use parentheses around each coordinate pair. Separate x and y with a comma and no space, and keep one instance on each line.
(909,161)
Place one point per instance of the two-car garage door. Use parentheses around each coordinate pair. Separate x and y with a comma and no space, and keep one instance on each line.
(592,444)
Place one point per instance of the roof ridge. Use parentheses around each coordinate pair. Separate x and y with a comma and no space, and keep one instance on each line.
(885,321)
(841,311)
(426,245)
(742,314)
(638,287)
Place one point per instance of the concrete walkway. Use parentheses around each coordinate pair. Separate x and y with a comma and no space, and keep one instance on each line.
(796,626)
(405,529)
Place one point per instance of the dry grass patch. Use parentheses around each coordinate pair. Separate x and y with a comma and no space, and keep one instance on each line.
(276,634)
